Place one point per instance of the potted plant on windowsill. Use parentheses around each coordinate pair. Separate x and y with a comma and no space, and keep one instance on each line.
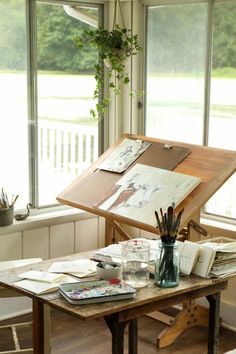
(114,48)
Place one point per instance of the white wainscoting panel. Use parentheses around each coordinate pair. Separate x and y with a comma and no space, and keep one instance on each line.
(86,235)
(101,232)
(228,295)
(62,240)
(10,246)
(36,243)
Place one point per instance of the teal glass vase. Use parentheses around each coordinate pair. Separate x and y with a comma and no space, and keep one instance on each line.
(167,265)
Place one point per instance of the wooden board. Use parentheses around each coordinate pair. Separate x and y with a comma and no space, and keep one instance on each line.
(213,166)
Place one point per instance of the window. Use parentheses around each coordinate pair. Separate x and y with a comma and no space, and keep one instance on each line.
(191,80)
(46,84)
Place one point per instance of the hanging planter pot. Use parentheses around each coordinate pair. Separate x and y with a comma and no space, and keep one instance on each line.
(120,57)
(114,48)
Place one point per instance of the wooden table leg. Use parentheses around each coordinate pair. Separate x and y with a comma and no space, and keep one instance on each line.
(214,323)
(38,327)
(133,336)
(117,330)
(47,329)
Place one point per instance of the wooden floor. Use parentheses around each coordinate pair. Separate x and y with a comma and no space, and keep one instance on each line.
(72,336)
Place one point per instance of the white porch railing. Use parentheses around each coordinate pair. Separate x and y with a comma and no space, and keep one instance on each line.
(67,147)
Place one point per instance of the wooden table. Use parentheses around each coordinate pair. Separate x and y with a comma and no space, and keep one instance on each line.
(214,167)
(119,314)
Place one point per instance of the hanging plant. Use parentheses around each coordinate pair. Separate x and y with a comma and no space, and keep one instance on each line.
(114,47)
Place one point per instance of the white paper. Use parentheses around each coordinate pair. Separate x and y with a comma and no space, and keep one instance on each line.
(39,287)
(79,267)
(124,155)
(113,253)
(36,287)
(222,246)
(42,276)
(144,189)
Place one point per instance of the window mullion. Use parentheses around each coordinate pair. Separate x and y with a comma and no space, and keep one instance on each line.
(207,91)
(32,101)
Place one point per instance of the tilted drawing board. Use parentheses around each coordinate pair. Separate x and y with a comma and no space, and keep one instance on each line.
(212,166)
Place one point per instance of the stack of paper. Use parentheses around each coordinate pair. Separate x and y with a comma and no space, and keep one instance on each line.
(39,282)
(208,259)
(80,267)
(225,258)
(113,253)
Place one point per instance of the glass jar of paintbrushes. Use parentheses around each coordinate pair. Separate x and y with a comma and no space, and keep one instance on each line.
(167,262)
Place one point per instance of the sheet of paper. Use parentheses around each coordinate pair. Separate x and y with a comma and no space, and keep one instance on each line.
(223,271)
(36,287)
(39,287)
(42,276)
(222,246)
(124,155)
(78,267)
(144,189)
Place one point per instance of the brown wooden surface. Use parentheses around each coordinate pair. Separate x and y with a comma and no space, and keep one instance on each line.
(70,335)
(213,166)
(147,300)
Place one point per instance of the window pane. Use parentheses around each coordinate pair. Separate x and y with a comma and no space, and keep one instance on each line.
(223,100)
(13,101)
(67,137)
(176,51)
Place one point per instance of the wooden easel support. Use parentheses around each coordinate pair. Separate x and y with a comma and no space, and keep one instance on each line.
(191,315)
(112,227)
(185,232)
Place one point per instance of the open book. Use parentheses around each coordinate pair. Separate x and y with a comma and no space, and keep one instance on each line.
(195,258)
(188,254)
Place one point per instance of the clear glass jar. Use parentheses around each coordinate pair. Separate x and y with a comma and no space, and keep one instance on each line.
(167,265)
(136,258)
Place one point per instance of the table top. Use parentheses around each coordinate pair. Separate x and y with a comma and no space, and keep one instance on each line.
(147,299)
(214,167)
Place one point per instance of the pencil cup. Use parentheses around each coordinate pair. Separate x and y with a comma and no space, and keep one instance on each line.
(6,216)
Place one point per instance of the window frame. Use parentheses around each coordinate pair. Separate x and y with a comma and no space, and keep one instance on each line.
(207,76)
(31,68)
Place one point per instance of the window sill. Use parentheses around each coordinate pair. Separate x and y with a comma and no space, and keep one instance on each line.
(41,218)
(219,225)
(58,215)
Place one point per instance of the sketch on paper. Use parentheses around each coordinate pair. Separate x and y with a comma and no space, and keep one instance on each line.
(124,155)
(145,189)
